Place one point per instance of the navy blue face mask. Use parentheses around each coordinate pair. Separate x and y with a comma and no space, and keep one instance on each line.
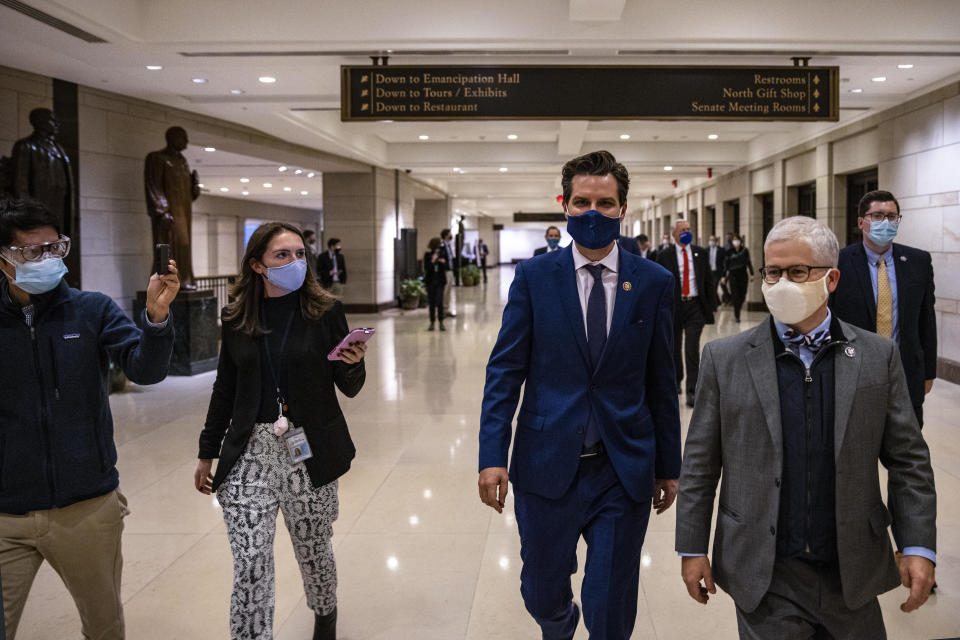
(592,229)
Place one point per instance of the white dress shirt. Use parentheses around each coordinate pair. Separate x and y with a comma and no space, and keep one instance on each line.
(585,281)
(693,272)
(713,258)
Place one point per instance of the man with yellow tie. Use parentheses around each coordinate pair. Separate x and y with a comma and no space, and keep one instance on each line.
(888,288)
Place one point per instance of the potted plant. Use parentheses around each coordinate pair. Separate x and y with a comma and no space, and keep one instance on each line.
(470,275)
(411,290)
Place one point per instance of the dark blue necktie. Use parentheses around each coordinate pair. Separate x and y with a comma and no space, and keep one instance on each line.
(812,342)
(596,337)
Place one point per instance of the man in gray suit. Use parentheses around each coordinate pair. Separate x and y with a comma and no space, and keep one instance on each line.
(796,413)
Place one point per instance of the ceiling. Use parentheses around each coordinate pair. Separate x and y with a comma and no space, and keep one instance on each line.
(303,43)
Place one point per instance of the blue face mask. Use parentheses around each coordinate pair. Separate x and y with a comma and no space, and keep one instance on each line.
(39,277)
(553,242)
(592,229)
(884,232)
(289,277)
(686,237)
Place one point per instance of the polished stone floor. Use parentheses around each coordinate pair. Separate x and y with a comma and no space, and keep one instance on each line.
(419,556)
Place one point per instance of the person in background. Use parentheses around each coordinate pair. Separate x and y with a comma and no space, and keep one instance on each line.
(629,244)
(483,251)
(643,243)
(552,237)
(333,268)
(736,265)
(275,392)
(695,299)
(446,238)
(793,418)
(717,255)
(310,244)
(664,243)
(435,269)
(60,500)
(888,288)
(468,253)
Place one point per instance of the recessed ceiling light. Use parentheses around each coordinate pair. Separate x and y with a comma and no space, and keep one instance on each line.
(512,136)
(246,193)
(287,189)
(311,174)
(303,193)
(456,169)
(298,172)
(210,149)
(899,66)
(237,92)
(856,90)
(504,169)
(224,189)
(244,180)
(267,79)
(198,80)
(624,136)
(154,67)
(200,185)
(712,136)
(267,185)
(668,168)
(281,169)
(879,79)
(424,137)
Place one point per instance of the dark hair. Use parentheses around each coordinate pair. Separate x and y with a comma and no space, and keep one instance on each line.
(551,227)
(444,233)
(40,115)
(643,238)
(308,234)
(875,196)
(332,241)
(248,292)
(23,215)
(434,243)
(597,163)
(170,133)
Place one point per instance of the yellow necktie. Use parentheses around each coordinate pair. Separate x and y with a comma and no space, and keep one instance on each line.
(884,301)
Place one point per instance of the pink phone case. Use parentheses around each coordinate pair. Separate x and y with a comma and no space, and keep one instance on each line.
(357,335)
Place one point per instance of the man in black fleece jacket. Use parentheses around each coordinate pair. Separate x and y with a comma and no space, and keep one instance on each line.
(59,500)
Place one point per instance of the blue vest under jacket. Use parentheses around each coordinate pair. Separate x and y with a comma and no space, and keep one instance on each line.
(807,526)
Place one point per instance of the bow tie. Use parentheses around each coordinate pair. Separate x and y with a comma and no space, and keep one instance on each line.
(812,342)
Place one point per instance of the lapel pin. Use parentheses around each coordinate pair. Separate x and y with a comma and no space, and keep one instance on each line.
(903,258)
(850,352)
(627,286)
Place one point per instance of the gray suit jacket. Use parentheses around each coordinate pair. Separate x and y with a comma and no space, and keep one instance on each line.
(736,429)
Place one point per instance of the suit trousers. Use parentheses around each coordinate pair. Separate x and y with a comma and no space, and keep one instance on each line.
(262,481)
(687,327)
(597,507)
(738,290)
(82,544)
(805,600)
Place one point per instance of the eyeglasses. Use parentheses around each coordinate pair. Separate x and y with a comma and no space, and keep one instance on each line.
(795,273)
(877,216)
(36,252)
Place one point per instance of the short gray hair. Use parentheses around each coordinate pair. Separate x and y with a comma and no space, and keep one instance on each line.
(819,237)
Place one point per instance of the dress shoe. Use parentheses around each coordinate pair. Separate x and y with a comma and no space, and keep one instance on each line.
(325,627)
(430,328)
(690,400)
(451,314)
(442,328)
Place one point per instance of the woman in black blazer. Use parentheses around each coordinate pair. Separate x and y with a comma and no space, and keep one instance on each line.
(276,425)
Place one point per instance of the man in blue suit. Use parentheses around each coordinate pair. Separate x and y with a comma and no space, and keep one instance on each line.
(598,433)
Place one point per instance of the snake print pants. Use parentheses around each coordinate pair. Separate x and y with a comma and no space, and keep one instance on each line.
(262,481)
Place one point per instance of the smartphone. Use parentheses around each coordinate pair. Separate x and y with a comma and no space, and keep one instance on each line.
(161,259)
(357,335)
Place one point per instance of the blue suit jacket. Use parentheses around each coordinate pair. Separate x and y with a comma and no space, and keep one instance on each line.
(542,346)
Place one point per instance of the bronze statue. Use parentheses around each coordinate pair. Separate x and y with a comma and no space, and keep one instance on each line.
(171,189)
(40,169)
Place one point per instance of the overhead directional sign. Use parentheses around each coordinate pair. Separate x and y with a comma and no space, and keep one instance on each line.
(554,92)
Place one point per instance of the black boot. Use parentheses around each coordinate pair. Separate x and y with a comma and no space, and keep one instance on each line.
(325,627)
(430,328)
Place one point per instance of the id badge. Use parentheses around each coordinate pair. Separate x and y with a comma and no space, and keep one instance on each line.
(297,446)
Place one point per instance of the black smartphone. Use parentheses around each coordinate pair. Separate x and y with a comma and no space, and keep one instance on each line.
(161,259)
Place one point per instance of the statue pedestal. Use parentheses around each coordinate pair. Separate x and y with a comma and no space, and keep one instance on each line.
(195,346)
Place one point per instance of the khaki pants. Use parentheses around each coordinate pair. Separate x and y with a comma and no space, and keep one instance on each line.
(82,544)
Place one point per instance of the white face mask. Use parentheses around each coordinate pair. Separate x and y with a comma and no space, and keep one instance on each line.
(794,302)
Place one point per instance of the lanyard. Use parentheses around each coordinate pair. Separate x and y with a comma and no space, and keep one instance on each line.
(281,403)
